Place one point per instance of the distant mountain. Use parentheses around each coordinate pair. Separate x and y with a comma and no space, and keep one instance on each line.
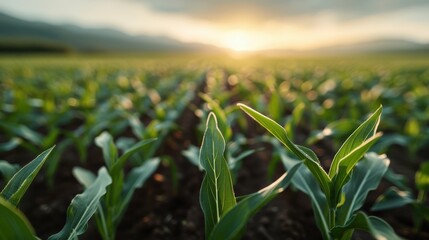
(377,46)
(373,46)
(26,35)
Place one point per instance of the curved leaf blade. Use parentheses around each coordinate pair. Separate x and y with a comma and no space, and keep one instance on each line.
(365,131)
(119,164)
(110,153)
(365,177)
(19,183)
(193,155)
(216,194)
(83,207)
(83,176)
(397,179)
(302,153)
(232,225)
(13,224)
(305,182)
(135,179)
(23,132)
(349,162)
(377,227)
(393,198)
(11,144)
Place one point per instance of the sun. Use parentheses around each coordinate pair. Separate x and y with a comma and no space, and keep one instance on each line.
(239,41)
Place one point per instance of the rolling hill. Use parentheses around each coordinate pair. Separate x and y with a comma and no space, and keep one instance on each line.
(17,33)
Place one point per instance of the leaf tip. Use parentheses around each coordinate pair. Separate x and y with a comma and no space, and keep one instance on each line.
(211,119)
(241,105)
(49,150)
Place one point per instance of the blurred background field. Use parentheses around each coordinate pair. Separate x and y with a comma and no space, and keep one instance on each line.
(69,100)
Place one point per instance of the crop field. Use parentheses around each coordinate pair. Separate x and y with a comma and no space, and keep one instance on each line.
(205,147)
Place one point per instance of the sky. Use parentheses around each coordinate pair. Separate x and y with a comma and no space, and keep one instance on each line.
(241,25)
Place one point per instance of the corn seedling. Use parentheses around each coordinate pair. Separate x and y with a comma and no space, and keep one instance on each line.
(225,214)
(112,207)
(337,195)
(14,224)
(234,153)
(83,207)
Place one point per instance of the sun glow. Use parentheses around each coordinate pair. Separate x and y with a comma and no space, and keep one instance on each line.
(239,41)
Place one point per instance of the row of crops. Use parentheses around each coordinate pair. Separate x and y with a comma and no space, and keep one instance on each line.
(166,132)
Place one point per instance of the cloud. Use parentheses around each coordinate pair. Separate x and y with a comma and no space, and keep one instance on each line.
(257,10)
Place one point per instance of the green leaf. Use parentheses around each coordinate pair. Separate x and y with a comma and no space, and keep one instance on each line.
(55,158)
(135,179)
(125,143)
(13,224)
(365,177)
(422,177)
(361,135)
(83,176)
(274,106)
(11,144)
(119,164)
(216,194)
(397,179)
(392,198)
(83,207)
(302,153)
(353,149)
(234,162)
(305,182)
(349,162)
(192,154)
(110,153)
(337,129)
(377,227)
(19,183)
(7,170)
(232,225)
(136,126)
(23,132)
(294,119)
(389,140)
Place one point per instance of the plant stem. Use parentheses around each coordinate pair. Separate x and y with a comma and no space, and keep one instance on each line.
(417,215)
(102,226)
(331,217)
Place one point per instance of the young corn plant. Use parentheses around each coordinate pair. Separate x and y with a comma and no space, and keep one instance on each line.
(234,152)
(225,214)
(112,207)
(337,195)
(14,224)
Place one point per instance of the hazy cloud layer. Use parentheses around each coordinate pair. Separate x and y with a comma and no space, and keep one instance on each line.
(219,10)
